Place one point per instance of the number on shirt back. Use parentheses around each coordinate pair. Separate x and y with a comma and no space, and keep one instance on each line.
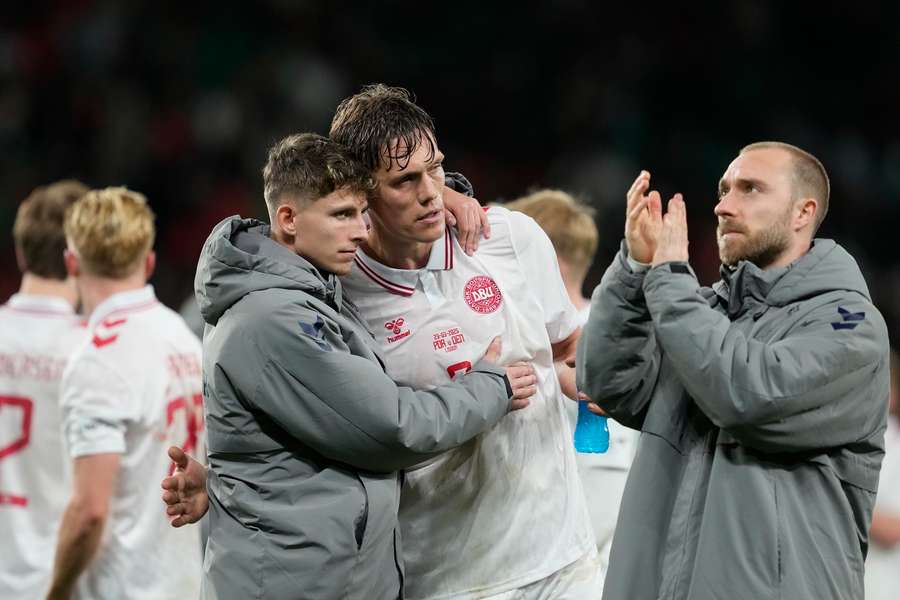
(193,419)
(19,441)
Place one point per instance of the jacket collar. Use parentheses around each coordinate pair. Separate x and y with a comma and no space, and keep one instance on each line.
(403,281)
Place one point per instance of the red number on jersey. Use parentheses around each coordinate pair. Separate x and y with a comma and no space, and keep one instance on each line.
(464,366)
(18,443)
(193,418)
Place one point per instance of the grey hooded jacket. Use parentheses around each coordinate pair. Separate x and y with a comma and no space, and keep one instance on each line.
(307,434)
(762,404)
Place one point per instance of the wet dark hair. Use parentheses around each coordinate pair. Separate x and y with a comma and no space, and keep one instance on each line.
(382,125)
(307,167)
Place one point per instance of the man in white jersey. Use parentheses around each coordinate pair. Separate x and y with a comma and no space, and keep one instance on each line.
(38,331)
(504,515)
(131,390)
(570,226)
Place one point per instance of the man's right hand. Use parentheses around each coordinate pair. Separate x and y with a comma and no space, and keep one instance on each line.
(643,219)
(521,377)
(185,490)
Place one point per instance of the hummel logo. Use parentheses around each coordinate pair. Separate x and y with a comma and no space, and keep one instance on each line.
(849,320)
(314,331)
(394,325)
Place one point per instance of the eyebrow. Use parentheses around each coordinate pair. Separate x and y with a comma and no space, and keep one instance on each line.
(744,180)
(407,173)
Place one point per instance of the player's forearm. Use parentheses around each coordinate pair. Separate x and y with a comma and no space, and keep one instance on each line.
(564,350)
(885,528)
(566,375)
(79,538)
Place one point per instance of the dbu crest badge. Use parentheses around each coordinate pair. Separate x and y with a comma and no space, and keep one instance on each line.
(482,294)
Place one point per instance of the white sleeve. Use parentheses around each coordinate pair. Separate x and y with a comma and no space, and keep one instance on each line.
(95,403)
(537,258)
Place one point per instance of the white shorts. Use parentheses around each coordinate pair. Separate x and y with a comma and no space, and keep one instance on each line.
(581,580)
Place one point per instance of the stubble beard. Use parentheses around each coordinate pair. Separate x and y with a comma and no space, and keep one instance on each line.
(761,248)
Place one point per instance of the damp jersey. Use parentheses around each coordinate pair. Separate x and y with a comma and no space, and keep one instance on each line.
(134,388)
(37,335)
(507,508)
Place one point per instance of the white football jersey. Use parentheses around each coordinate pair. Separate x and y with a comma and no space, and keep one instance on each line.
(506,509)
(37,336)
(134,388)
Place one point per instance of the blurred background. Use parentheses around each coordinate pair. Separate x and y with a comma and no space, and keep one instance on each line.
(181,101)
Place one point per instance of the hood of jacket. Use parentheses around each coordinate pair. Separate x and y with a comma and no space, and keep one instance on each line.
(240,257)
(825,267)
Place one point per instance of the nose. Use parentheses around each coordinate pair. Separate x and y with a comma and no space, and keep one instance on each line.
(360,231)
(428,190)
(725,206)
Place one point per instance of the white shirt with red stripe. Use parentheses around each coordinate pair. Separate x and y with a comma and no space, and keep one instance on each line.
(506,509)
(37,335)
(134,388)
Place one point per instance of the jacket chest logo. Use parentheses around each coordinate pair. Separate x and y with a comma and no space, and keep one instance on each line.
(395,327)
(482,294)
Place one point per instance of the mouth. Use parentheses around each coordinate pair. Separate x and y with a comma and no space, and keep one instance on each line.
(431,217)
(730,231)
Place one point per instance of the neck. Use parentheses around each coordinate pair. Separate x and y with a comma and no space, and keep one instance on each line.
(35,285)
(95,289)
(575,296)
(397,254)
(573,279)
(797,250)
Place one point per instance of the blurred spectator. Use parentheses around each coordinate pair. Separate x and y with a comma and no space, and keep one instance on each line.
(883,561)
(571,228)
(183,106)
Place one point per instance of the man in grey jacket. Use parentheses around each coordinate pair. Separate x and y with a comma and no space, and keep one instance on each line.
(761,400)
(306,432)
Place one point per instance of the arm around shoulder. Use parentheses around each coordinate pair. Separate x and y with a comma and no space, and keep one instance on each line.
(346,407)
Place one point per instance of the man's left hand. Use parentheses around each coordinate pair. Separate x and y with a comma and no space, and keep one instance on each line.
(673,239)
(469,218)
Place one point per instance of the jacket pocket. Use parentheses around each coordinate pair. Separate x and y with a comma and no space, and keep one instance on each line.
(362,518)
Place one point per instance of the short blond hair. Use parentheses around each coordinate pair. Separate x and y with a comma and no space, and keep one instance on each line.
(111,230)
(568,223)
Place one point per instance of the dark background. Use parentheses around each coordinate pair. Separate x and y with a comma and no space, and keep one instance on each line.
(180,101)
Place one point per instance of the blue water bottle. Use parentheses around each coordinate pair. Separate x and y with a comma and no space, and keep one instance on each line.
(591,432)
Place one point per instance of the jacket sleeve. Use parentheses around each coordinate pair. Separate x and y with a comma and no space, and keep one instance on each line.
(618,358)
(819,386)
(346,408)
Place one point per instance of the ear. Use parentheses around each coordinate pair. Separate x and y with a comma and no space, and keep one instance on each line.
(20,259)
(71,261)
(807,208)
(149,264)
(284,220)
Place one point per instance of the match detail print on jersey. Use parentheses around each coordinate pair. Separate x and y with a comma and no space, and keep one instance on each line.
(482,294)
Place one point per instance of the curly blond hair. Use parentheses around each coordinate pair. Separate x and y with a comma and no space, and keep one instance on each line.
(111,231)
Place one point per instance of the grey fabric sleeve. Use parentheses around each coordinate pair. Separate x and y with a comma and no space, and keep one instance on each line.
(810,390)
(618,358)
(347,408)
(458,183)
